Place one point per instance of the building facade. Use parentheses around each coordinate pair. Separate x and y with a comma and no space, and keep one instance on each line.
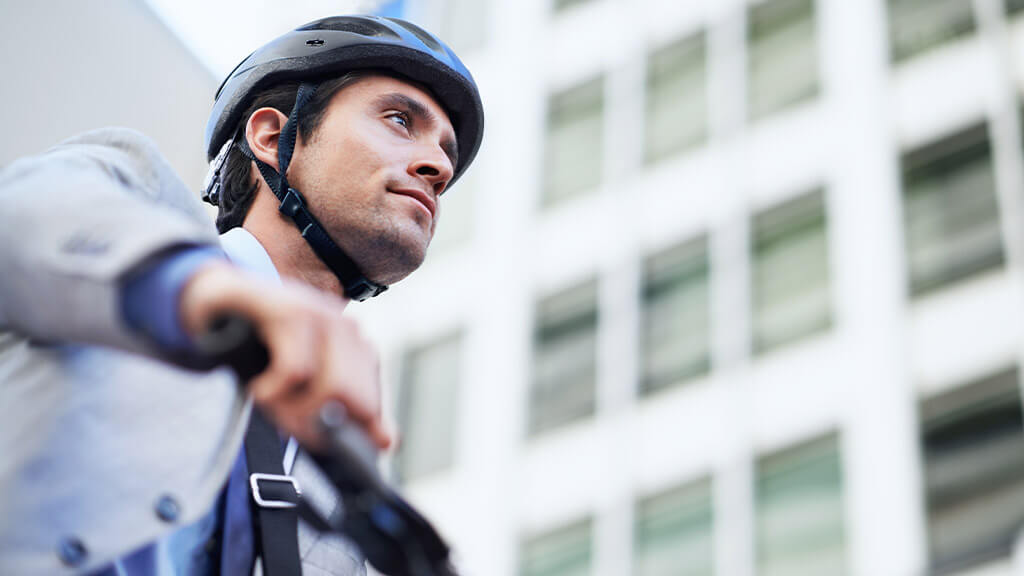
(72,66)
(734,288)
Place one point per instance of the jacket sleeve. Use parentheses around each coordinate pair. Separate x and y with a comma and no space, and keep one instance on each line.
(75,221)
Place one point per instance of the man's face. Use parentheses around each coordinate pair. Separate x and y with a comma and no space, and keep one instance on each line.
(374,170)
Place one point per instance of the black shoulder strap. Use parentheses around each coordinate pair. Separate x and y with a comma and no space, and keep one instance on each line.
(272,498)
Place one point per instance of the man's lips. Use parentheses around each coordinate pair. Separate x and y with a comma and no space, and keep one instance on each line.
(418,195)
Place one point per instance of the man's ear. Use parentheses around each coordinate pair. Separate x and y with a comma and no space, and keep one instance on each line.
(262,131)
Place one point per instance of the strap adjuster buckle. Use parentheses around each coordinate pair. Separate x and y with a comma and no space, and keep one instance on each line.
(292,203)
(362,289)
(254,483)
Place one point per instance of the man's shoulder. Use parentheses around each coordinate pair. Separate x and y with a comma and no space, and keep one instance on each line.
(120,149)
(133,159)
(127,139)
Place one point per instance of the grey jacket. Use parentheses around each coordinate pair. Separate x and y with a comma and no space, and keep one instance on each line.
(103,446)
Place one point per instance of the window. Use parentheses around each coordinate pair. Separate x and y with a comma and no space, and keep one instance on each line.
(973,444)
(790,272)
(918,25)
(427,408)
(800,511)
(565,341)
(782,55)
(574,141)
(673,533)
(464,24)
(950,211)
(675,318)
(560,5)
(562,552)
(677,103)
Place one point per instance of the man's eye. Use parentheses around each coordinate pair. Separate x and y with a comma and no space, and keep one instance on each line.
(400,118)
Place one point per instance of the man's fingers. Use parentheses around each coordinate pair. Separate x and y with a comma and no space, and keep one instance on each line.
(352,369)
(281,381)
(293,352)
(316,355)
(381,436)
(295,423)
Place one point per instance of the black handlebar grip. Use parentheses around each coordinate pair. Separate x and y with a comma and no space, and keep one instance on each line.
(230,340)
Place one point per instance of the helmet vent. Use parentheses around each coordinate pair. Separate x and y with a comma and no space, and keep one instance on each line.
(360,26)
(420,33)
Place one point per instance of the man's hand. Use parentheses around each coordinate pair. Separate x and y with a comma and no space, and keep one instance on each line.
(316,354)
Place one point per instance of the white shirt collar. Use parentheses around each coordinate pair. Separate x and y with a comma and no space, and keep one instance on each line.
(246,251)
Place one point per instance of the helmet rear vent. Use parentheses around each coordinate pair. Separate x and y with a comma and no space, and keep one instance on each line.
(355,25)
(420,33)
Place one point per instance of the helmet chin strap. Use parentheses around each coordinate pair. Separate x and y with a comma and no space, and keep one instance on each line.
(356,285)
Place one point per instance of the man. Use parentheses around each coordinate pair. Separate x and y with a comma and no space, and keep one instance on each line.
(331,147)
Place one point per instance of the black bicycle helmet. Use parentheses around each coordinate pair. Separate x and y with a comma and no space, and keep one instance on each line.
(328,48)
(332,46)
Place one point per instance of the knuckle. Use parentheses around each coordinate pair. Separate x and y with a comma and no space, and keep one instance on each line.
(350,326)
(292,373)
(340,385)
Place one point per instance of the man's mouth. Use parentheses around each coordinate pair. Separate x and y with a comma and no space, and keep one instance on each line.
(420,196)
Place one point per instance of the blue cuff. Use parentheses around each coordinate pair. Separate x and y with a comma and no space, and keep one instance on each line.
(150,299)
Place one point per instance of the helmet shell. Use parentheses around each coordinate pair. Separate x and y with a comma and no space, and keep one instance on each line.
(330,47)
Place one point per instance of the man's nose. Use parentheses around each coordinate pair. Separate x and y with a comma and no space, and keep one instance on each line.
(435,167)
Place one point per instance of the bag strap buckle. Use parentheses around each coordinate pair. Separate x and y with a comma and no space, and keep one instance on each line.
(254,483)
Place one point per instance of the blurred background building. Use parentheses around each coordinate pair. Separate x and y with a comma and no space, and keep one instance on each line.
(71,66)
(734,288)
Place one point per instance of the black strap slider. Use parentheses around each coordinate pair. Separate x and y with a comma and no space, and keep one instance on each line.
(362,289)
(286,496)
(292,203)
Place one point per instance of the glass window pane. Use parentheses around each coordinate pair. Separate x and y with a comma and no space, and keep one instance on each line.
(973,443)
(790,272)
(565,342)
(428,400)
(675,318)
(950,211)
(800,511)
(676,107)
(782,55)
(673,533)
(574,141)
(918,25)
(562,552)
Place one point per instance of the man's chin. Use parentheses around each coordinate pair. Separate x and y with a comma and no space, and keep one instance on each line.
(389,265)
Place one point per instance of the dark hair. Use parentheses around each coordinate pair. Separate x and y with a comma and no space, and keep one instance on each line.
(238,188)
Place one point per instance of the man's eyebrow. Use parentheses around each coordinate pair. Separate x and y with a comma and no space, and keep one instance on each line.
(417,109)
